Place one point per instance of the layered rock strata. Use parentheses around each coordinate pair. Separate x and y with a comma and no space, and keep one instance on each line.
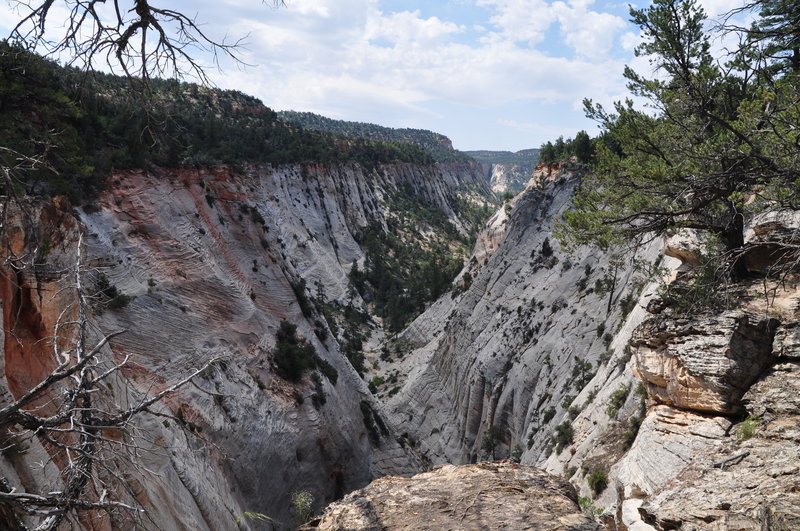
(703,363)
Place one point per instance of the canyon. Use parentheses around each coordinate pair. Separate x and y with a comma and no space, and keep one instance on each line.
(657,421)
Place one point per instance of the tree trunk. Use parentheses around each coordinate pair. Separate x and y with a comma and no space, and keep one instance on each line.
(733,237)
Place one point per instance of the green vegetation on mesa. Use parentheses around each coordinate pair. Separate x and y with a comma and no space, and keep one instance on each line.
(581,147)
(436,145)
(85,126)
(717,146)
(525,157)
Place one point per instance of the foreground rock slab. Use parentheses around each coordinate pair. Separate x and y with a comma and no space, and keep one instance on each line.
(498,495)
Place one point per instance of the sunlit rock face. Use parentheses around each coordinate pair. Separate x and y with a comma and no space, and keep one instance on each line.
(749,480)
(504,351)
(509,178)
(717,447)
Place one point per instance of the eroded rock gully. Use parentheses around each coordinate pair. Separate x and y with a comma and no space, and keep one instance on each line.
(504,352)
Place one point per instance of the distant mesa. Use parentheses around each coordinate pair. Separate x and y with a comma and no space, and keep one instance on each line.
(522,157)
(437,145)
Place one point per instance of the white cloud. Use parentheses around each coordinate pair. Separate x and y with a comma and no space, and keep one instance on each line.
(317,8)
(330,61)
(521,20)
(409,28)
(591,34)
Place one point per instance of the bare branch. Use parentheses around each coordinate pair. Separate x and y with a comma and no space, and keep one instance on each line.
(136,37)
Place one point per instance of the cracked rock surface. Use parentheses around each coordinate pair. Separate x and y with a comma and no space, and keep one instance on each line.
(703,363)
(499,495)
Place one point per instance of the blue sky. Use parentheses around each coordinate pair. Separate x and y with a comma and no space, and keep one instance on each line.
(489,74)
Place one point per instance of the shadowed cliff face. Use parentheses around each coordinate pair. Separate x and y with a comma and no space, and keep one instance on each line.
(210,256)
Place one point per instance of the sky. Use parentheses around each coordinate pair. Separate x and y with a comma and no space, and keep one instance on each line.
(489,74)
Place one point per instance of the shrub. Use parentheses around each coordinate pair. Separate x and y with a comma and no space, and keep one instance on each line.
(373,423)
(491,438)
(563,436)
(293,356)
(598,481)
(617,400)
(600,329)
(567,401)
(516,453)
(109,293)
(588,506)
(318,398)
(327,370)
(633,430)
(299,289)
(547,249)
(747,428)
(581,374)
(120,301)
(302,506)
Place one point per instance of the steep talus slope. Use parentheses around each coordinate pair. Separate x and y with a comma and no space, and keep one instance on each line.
(214,259)
(529,330)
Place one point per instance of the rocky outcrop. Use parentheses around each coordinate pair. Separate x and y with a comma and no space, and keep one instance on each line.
(717,448)
(498,495)
(669,439)
(749,480)
(509,178)
(703,362)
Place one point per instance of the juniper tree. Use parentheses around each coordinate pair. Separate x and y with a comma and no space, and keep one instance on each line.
(699,157)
